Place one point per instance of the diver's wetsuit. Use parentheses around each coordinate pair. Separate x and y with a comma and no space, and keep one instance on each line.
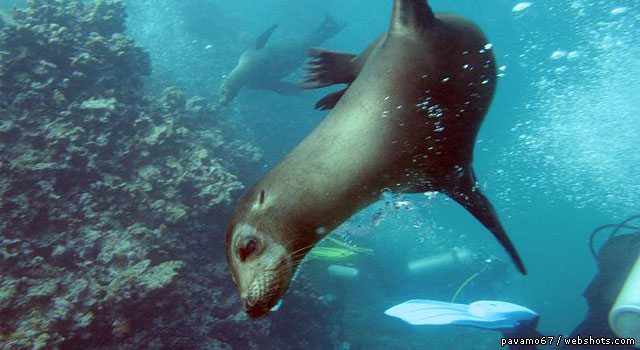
(615,260)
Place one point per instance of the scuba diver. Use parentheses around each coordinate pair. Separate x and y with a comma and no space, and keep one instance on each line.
(613,297)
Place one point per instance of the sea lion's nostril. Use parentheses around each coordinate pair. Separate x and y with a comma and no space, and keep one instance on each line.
(249,302)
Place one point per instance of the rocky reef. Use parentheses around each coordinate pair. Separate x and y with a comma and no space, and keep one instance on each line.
(112,204)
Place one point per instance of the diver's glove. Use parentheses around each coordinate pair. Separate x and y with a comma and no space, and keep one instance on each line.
(486,314)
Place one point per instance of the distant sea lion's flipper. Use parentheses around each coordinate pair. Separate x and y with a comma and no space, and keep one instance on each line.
(285,88)
(326,67)
(329,101)
(264,37)
(410,15)
(467,193)
(328,28)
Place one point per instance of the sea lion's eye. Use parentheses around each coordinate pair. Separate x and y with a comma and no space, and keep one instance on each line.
(251,247)
(248,249)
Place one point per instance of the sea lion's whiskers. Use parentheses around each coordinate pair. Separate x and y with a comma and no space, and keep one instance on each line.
(298,251)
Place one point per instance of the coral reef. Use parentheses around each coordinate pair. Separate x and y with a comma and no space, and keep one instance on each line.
(112,203)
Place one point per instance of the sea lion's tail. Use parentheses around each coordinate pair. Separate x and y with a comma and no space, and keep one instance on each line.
(328,28)
(468,194)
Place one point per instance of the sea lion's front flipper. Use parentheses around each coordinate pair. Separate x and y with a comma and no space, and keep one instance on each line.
(264,37)
(285,88)
(326,67)
(468,194)
(330,101)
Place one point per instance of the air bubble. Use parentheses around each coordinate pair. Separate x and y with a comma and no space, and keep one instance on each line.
(521,6)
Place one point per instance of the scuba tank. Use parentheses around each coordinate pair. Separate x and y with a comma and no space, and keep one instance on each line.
(456,258)
(624,318)
(343,272)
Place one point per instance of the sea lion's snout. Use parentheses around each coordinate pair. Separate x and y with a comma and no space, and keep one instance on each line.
(258,308)
(228,91)
(252,310)
(261,268)
(262,294)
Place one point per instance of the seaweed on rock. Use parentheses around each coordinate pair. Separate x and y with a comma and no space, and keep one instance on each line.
(109,200)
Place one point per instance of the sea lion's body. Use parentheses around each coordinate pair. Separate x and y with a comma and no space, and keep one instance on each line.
(263,68)
(408,123)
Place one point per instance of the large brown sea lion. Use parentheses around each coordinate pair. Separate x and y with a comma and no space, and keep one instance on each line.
(263,68)
(408,122)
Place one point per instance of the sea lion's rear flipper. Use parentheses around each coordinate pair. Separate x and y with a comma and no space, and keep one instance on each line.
(264,37)
(330,101)
(326,67)
(285,88)
(468,194)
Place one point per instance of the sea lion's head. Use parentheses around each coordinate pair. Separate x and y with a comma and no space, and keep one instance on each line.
(261,267)
(229,90)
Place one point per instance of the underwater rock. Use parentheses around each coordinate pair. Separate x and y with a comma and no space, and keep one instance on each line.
(37,50)
(8,291)
(105,194)
(137,281)
(174,97)
(108,104)
(196,104)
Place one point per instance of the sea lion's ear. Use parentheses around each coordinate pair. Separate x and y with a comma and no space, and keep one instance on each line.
(264,37)
(410,15)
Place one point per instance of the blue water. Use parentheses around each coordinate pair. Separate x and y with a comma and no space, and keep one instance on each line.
(558,153)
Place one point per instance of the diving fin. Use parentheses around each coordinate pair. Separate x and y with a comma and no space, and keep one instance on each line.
(264,37)
(485,314)
(468,194)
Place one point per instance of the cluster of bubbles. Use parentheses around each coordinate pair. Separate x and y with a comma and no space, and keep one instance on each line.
(580,137)
(185,40)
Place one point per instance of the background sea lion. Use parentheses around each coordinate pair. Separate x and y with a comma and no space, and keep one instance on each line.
(408,122)
(262,68)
